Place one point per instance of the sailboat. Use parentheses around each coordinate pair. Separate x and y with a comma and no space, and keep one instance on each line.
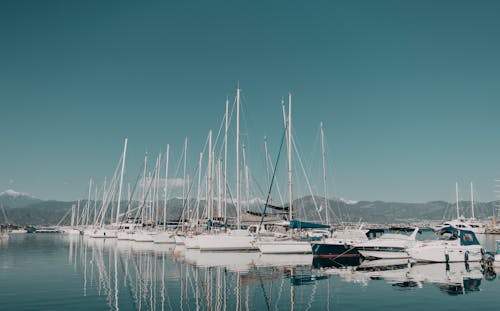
(229,240)
(287,245)
(100,230)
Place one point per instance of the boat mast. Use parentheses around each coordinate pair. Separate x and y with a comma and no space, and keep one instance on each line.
(245,167)
(225,157)
(290,185)
(238,224)
(166,188)
(456,198)
(199,189)
(78,213)
(472,199)
(88,203)
(144,178)
(184,174)
(324,173)
(121,181)
(209,177)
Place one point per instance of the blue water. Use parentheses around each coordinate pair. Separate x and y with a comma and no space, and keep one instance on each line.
(60,272)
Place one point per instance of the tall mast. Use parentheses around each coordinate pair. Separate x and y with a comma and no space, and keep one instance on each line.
(225,157)
(290,186)
(266,151)
(144,178)
(121,181)
(238,225)
(245,166)
(157,190)
(472,199)
(323,155)
(78,213)
(88,202)
(219,188)
(199,189)
(166,188)
(456,199)
(184,178)
(209,177)
(72,223)
(104,194)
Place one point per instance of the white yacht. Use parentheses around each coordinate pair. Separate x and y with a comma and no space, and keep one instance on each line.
(457,246)
(389,245)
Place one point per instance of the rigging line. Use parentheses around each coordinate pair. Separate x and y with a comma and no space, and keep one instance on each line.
(306,178)
(130,200)
(273,168)
(274,175)
(186,203)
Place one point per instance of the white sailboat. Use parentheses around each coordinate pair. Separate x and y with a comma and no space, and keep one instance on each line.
(286,245)
(165,236)
(231,240)
(100,229)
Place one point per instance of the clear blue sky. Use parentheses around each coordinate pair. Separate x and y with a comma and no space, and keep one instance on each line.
(408,90)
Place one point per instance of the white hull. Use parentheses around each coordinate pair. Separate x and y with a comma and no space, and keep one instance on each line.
(191,242)
(179,239)
(226,242)
(16,231)
(71,231)
(280,260)
(144,236)
(164,238)
(125,235)
(383,254)
(388,246)
(284,247)
(102,233)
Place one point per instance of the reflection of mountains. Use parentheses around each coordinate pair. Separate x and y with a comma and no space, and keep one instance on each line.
(453,278)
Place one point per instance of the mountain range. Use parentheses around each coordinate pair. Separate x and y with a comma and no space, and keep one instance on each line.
(23,209)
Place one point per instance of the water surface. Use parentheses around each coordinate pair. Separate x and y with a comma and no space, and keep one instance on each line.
(61,272)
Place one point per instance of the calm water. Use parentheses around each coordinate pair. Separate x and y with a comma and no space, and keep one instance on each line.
(58,272)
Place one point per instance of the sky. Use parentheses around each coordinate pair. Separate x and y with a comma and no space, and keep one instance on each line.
(408,91)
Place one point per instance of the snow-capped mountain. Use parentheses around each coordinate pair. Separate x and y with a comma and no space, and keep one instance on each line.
(11,198)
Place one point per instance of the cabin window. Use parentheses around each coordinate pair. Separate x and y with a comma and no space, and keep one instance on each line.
(468,238)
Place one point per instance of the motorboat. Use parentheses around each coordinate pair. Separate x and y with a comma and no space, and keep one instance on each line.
(387,246)
(453,246)
(340,244)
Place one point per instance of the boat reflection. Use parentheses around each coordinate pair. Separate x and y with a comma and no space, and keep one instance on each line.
(452,278)
(151,276)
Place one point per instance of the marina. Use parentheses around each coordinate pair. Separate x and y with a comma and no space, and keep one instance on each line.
(249,155)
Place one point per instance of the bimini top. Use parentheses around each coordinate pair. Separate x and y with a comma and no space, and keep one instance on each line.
(295,224)
(466,237)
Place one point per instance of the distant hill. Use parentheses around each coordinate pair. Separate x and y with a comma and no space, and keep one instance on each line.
(306,208)
(13,199)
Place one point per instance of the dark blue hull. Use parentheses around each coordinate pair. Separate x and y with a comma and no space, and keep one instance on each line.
(335,255)
(325,250)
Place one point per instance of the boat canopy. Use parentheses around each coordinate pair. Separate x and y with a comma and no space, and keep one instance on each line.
(295,224)
(466,237)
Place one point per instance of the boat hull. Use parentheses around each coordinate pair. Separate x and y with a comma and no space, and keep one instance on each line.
(226,242)
(284,247)
(164,238)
